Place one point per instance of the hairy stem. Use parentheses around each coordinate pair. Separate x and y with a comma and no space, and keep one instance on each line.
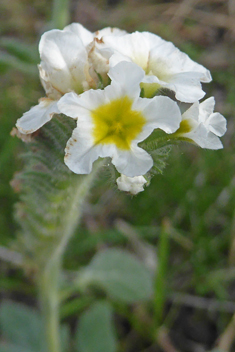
(49,280)
(49,300)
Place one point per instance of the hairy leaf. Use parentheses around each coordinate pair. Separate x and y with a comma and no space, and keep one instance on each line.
(95,330)
(50,193)
(119,274)
(21,326)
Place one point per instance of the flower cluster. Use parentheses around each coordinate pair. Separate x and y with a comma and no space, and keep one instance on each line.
(120,88)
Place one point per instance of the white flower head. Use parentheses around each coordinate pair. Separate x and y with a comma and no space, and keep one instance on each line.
(64,60)
(202,126)
(165,66)
(111,123)
(68,63)
(63,68)
(133,185)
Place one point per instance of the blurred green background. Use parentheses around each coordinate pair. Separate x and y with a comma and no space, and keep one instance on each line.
(196,193)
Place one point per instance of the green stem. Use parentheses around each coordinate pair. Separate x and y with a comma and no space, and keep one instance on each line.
(49,299)
(49,280)
(74,213)
(60,13)
(160,280)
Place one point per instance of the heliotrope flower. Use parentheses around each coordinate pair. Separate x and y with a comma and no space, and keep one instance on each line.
(111,123)
(203,126)
(165,66)
(133,185)
(66,65)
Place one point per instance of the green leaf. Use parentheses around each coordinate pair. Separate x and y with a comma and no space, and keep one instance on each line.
(65,337)
(119,274)
(160,155)
(21,326)
(22,51)
(13,348)
(8,61)
(95,330)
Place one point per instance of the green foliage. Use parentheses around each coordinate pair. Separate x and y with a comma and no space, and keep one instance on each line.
(119,274)
(49,192)
(160,156)
(158,145)
(17,55)
(161,274)
(20,50)
(13,348)
(95,332)
(21,327)
(8,62)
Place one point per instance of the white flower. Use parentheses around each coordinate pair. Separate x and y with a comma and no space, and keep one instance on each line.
(68,63)
(64,67)
(111,123)
(201,125)
(134,185)
(98,64)
(164,65)
(64,60)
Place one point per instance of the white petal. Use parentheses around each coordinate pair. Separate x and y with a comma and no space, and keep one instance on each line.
(204,139)
(153,40)
(114,59)
(64,58)
(80,152)
(175,61)
(37,116)
(160,112)
(74,105)
(213,142)
(109,31)
(112,92)
(154,79)
(217,124)
(133,185)
(187,86)
(192,112)
(134,162)
(127,76)
(85,35)
(133,46)
(51,92)
(69,106)
(206,108)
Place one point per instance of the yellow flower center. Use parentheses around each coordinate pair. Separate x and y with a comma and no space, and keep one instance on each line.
(116,123)
(150,89)
(185,127)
